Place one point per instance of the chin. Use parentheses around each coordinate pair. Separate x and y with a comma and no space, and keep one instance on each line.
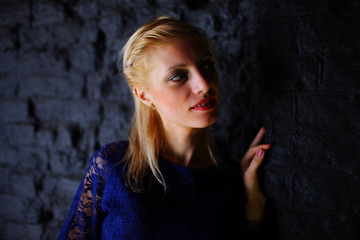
(206,123)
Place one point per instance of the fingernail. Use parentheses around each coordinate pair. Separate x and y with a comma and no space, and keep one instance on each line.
(260,152)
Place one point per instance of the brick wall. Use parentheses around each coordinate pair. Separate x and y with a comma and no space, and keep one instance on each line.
(292,66)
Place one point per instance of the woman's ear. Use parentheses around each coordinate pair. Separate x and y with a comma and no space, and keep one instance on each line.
(144,96)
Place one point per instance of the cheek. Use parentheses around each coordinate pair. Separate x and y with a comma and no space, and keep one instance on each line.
(213,80)
(165,99)
(168,101)
(216,84)
(216,80)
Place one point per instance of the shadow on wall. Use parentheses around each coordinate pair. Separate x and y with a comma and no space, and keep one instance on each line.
(278,78)
(309,101)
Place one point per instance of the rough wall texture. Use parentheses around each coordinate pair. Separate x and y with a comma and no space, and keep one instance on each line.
(292,66)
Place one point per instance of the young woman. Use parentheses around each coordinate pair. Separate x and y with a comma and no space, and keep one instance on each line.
(167,181)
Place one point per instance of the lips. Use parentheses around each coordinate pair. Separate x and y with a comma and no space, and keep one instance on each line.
(205,104)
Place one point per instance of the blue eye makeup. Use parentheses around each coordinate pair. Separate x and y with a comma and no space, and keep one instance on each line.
(180,73)
(179,76)
(208,64)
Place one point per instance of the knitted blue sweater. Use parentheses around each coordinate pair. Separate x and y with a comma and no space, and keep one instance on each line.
(198,203)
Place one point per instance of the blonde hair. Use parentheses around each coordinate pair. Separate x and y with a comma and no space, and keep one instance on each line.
(147,136)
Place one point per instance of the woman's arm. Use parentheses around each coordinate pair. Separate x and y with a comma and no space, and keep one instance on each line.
(255,205)
(85,215)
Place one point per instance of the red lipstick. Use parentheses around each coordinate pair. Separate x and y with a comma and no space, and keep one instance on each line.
(204,104)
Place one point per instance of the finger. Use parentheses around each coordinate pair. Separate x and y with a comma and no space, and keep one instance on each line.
(259,136)
(253,150)
(250,155)
(257,160)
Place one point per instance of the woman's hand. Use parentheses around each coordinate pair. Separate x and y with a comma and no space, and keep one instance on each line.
(250,163)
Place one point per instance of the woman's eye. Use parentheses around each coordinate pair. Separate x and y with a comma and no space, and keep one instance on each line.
(208,65)
(179,77)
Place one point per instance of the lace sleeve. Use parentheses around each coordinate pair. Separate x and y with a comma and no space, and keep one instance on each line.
(85,216)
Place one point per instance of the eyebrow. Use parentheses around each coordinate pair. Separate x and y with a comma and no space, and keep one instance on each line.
(175,67)
(182,65)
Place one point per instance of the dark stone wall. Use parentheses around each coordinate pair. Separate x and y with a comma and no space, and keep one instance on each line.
(292,66)
(310,87)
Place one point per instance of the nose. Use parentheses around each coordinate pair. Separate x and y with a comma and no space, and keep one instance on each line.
(199,83)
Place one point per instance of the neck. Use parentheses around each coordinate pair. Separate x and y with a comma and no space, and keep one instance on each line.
(188,148)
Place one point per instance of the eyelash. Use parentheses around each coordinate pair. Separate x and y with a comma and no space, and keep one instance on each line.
(181,75)
(206,65)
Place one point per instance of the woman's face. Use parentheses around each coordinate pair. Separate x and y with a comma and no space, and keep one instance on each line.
(183,85)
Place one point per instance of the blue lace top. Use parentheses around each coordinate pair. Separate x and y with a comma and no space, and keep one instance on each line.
(198,203)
